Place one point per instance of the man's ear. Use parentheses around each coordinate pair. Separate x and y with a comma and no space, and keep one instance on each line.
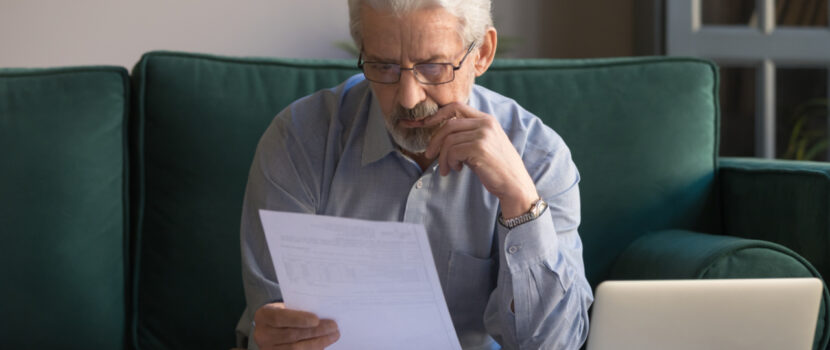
(486,51)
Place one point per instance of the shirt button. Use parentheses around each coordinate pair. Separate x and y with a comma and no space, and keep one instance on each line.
(419,184)
(513,249)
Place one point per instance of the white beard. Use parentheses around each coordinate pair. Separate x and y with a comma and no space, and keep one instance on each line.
(414,140)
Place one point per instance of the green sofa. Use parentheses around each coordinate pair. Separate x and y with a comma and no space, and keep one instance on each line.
(120,194)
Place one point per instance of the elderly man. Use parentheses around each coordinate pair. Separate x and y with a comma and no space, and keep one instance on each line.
(413,139)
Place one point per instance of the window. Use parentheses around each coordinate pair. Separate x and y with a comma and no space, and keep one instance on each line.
(774,56)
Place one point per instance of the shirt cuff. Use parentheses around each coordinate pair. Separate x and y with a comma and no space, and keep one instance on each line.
(528,244)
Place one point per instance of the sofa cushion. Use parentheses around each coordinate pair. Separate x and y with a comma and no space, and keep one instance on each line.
(198,120)
(63,207)
(643,133)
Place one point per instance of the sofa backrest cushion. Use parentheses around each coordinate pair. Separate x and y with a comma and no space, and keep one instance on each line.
(63,207)
(201,118)
(643,133)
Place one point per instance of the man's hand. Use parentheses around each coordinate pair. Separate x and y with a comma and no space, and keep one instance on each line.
(281,328)
(476,139)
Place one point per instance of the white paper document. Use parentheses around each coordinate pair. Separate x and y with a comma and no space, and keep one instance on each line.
(377,280)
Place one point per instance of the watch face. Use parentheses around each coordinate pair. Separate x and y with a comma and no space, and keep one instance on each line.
(535,211)
(539,207)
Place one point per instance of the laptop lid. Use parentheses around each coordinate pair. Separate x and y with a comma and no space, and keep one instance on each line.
(730,314)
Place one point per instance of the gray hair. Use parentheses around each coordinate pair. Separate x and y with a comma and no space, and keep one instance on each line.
(474,15)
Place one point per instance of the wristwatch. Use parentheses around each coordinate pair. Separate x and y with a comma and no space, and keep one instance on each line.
(535,211)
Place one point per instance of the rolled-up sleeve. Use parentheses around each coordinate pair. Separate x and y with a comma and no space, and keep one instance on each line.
(542,297)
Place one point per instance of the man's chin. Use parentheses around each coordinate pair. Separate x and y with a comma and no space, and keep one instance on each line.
(413,147)
(411,140)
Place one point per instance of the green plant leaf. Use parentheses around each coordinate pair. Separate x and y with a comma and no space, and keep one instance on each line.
(813,103)
(817,149)
(794,137)
(802,146)
(806,143)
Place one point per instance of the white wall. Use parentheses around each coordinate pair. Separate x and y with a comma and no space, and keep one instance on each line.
(38,33)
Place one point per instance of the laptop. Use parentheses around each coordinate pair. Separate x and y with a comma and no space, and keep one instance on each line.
(756,314)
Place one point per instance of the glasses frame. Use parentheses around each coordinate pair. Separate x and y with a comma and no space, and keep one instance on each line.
(360,64)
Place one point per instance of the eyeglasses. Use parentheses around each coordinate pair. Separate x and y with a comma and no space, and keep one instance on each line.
(425,73)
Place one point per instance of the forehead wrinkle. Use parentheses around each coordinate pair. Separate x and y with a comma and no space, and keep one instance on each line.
(387,52)
(420,36)
(382,33)
(429,31)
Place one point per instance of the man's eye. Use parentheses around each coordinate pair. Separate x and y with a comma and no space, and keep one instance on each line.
(383,67)
(430,69)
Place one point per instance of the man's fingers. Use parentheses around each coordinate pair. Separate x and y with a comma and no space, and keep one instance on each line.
(276,315)
(295,319)
(294,335)
(296,338)
(455,157)
(317,343)
(453,126)
(452,110)
(452,156)
(444,113)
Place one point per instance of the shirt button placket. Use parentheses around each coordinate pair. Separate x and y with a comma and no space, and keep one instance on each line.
(417,202)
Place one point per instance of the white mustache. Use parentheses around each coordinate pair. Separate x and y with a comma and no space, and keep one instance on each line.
(420,111)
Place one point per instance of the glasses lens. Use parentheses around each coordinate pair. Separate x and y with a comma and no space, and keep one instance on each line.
(434,73)
(382,72)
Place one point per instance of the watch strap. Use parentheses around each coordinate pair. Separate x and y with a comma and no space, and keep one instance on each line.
(535,211)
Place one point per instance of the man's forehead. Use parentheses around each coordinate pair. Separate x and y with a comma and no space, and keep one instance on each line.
(415,52)
(423,34)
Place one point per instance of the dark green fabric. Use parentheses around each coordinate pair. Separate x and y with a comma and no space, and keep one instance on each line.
(678,254)
(786,202)
(202,117)
(63,208)
(643,133)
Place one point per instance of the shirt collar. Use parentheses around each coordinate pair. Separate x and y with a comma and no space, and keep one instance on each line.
(377,143)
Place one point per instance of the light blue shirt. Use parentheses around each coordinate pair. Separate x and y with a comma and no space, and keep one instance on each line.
(330,153)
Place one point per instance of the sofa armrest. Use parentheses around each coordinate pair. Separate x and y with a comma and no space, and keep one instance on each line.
(786,202)
(679,254)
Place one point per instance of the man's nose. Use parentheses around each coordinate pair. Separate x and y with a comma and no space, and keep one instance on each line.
(410,91)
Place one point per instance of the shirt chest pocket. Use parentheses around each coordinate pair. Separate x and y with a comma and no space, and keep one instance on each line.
(470,281)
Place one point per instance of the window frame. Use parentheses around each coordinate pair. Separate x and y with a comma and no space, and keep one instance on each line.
(765,46)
